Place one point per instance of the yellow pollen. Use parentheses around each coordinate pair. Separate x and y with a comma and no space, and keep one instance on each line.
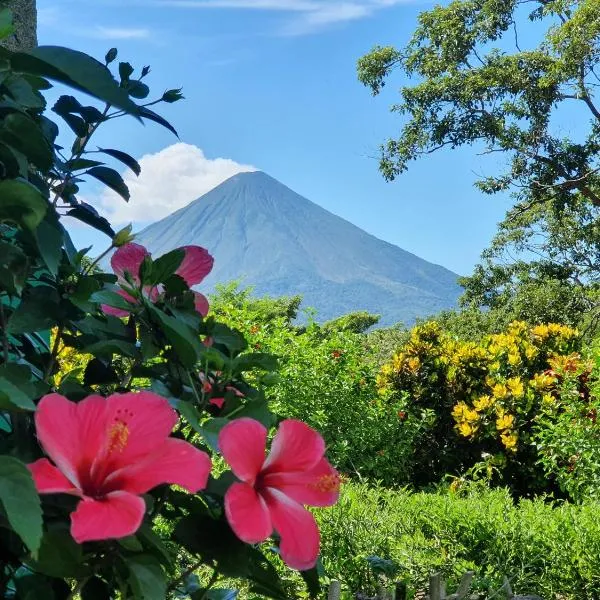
(327,483)
(117,437)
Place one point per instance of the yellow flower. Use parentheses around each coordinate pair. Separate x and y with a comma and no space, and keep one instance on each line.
(413,364)
(482,403)
(548,399)
(465,429)
(499,390)
(542,381)
(514,358)
(470,415)
(459,410)
(509,440)
(515,387)
(505,421)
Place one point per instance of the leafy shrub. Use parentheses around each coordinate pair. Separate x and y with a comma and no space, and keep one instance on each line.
(324,379)
(550,550)
(567,435)
(478,399)
(135,388)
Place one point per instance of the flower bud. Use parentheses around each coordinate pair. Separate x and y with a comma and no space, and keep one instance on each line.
(172,96)
(122,237)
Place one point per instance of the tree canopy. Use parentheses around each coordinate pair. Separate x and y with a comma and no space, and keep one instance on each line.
(510,78)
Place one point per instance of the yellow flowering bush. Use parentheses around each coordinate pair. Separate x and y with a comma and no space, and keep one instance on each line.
(485,397)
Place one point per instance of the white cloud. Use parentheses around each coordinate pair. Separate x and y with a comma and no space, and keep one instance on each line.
(310,15)
(170,179)
(120,33)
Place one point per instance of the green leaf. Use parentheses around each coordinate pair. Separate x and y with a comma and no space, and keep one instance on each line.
(256,360)
(233,340)
(77,124)
(146,113)
(13,267)
(165,266)
(110,55)
(110,178)
(107,348)
(16,390)
(111,298)
(59,555)
(184,340)
(146,578)
(137,89)
(79,164)
(124,158)
(214,540)
(21,204)
(92,218)
(311,579)
(24,134)
(23,93)
(21,501)
(49,237)
(210,432)
(38,311)
(75,69)
(125,71)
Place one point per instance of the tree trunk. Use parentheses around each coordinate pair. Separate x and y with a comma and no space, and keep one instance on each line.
(25,21)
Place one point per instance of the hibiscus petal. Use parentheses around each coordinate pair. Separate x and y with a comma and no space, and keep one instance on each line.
(295,447)
(298,530)
(57,429)
(49,480)
(218,402)
(174,462)
(128,259)
(136,423)
(114,312)
(320,486)
(247,513)
(114,516)
(195,266)
(201,304)
(242,443)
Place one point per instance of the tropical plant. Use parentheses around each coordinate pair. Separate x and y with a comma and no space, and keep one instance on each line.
(116,387)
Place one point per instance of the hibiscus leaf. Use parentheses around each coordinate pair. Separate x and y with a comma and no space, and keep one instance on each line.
(21,501)
(110,298)
(164,266)
(123,157)
(22,203)
(59,555)
(15,388)
(184,340)
(146,578)
(111,179)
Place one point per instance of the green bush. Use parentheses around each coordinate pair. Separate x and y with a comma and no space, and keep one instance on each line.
(325,379)
(550,550)
(478,401)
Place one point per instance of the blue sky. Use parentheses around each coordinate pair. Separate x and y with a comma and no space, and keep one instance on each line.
(271,84)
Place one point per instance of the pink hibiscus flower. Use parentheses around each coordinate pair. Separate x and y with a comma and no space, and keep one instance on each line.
(127,260)
(272,491)
(109,451)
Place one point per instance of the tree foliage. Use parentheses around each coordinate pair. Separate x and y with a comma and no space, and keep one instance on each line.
(509,78)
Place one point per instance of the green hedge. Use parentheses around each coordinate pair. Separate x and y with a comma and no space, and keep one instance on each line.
(550,550)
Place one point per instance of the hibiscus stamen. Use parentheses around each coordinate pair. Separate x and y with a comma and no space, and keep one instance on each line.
(326,483)
(118,434)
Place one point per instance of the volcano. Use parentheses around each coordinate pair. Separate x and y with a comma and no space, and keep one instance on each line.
(269,237)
